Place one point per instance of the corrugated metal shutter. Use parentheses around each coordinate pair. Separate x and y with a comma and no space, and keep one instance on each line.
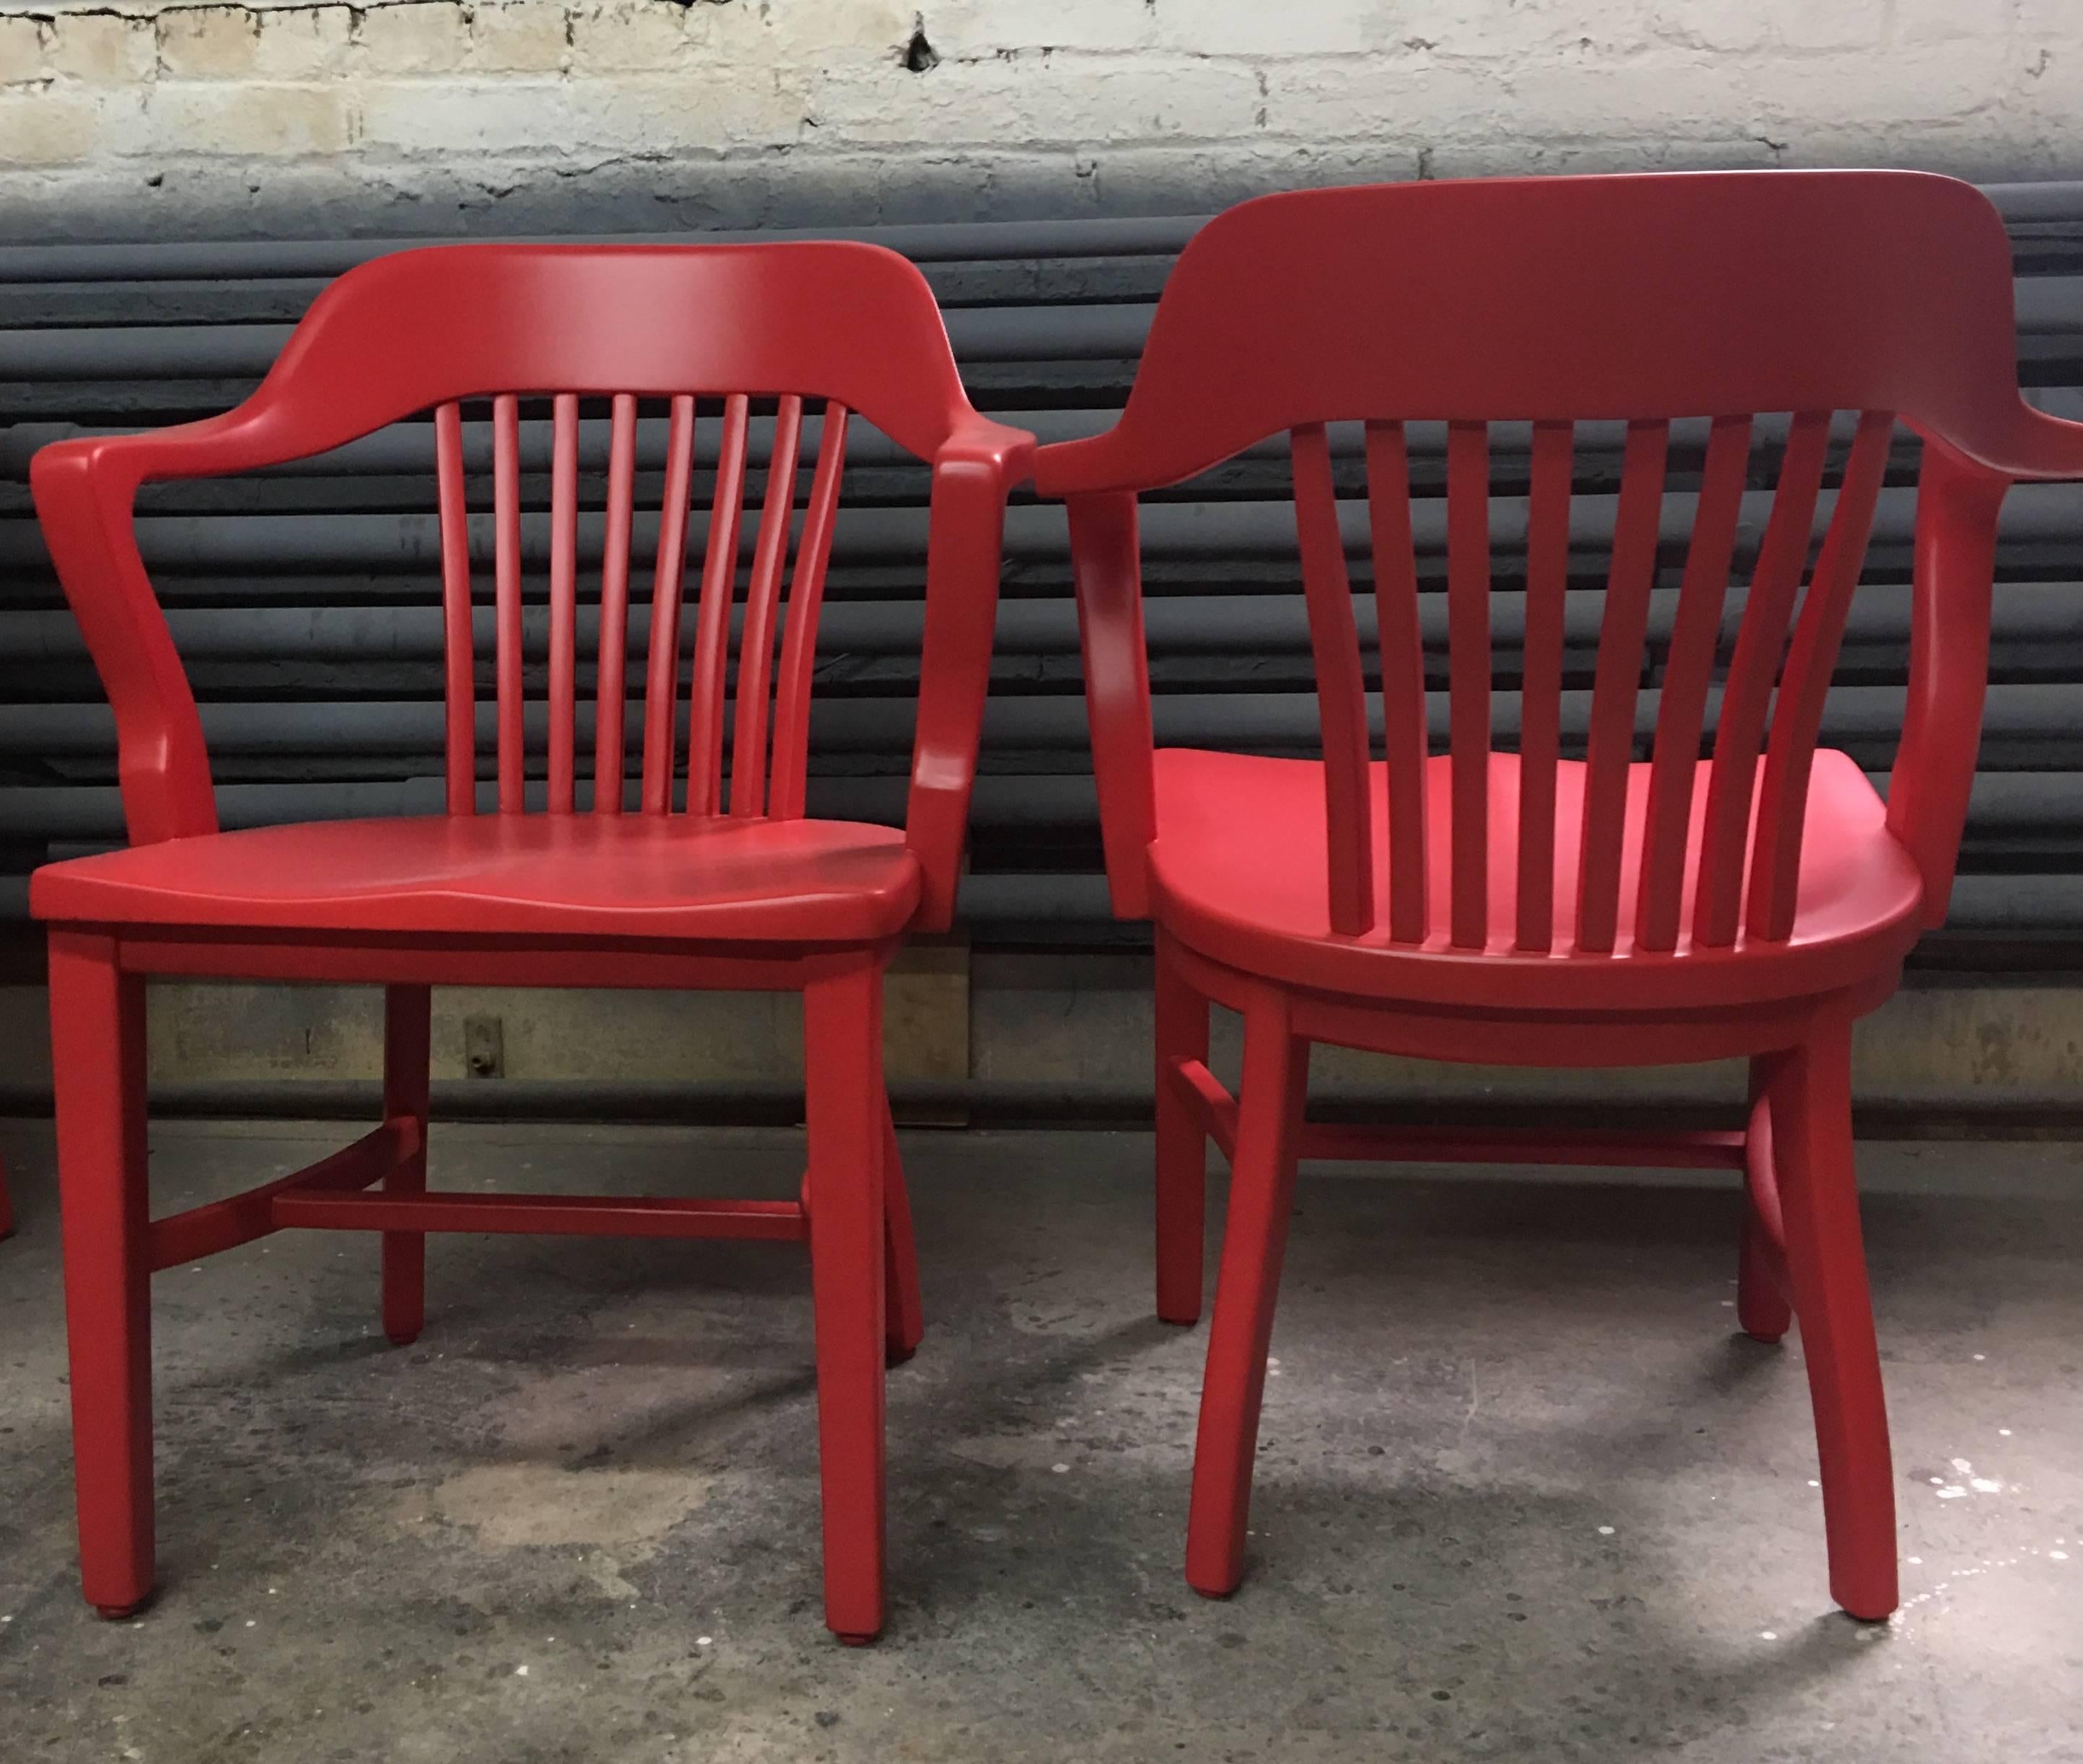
(306,601)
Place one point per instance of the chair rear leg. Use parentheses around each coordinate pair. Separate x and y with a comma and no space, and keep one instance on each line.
(407,1012)
(7,1205)
(905,1323)
(845,1110)
(1761,1305)
(1811,1110)
(1182,1146)
(97,1065)
(1270,1102)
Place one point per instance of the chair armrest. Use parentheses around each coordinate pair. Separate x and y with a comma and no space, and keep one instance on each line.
(1958,503)
(977,467)
(1960,496)
(84,491)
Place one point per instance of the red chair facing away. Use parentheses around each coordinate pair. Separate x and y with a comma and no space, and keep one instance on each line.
(736,890)
(1641,904)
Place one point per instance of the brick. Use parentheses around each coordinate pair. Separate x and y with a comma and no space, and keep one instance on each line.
(1842,24)
(414,37)
(1622,100)
(1063,100)
(1259,27)
(208,42)
(1831,101)
(523,120)
(21,51)
(526,37)
(636,37)
(1943,21)
(230,118)
(1409,99)
(989,27)
(663,116)
(303,43)
(101,49)
(43,129)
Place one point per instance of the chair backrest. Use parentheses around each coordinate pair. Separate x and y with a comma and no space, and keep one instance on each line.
(821,331)
(707,330)
(1822,303)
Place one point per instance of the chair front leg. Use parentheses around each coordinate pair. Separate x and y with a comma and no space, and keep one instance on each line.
(98,1067)
(1182,1146)
(407,1021)
(848,1127)
(1761,1304)
(905,1323)
(1811,1120)
(1271,1101)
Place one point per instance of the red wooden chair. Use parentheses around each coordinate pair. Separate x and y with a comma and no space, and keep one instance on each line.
(1628,907)
(718,881)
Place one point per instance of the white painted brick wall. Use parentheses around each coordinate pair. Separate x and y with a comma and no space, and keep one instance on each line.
(124,116)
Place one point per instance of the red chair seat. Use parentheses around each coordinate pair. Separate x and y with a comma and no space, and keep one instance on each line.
(640,876)
(1260,903)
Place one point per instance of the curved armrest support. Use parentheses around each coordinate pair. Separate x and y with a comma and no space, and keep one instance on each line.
(976,468)
(1956,506)
(1960,497)
(1106,566)
(85,490)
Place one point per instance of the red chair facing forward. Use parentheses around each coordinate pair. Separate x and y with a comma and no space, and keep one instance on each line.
(1641,904)
(718,881)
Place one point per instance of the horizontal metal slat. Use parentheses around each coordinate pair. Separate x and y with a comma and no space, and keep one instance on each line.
(2049,804)
(407,448)
(247,351)
(952,242)
(1246,720)
(192,543)
(1176,624)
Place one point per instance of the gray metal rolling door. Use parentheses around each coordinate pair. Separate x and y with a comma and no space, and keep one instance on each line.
(306,600)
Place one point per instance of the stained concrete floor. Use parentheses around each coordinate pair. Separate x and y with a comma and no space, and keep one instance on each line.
(1523,1493)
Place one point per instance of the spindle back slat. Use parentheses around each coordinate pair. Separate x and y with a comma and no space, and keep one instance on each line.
(755,648)
(799,640)
(662,672)
(1541,688)
(1402,675)
(1468,677)
(608,696)
(1616,685)
(458,642)
(506,565)
(1340,686)
(564,597)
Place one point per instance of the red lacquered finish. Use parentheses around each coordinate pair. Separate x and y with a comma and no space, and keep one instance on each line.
(697,888)
(1701,883)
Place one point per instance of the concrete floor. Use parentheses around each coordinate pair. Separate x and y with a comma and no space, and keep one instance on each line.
(1524,1494)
